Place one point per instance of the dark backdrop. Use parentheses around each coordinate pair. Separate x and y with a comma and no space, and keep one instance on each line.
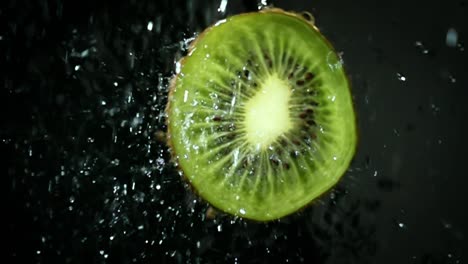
(83,88)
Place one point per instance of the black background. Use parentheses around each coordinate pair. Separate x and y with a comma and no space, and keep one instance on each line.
(83,89)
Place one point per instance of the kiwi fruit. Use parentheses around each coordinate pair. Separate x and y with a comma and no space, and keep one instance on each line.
(260,116)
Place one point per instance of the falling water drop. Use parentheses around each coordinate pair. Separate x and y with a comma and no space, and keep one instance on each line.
(401,77)
(421,47)
(222,6)
(262,4)
(452,38)
(452,79)
(149,27)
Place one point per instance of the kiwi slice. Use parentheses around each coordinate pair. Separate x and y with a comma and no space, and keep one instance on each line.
(260,116)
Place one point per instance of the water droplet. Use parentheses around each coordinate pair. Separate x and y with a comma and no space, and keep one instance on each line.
(375,173)
(435,108)
(401,77)
(401,225)
(158,187)
(262,4)
(103,102)
(149,27)
(222,6)
(421,47)
(84,53)
(136,120)
(115,162)
(116,84)
(452,79)
(452,38)
(220,228)
(141,227)
(186,43)
(446,224)
(242,211)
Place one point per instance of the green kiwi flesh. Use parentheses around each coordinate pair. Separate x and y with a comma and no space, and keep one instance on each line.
(260,115)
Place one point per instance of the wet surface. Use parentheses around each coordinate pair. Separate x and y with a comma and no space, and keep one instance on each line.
(88,177)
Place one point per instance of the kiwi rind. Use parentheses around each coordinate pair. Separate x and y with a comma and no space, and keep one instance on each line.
(173,85)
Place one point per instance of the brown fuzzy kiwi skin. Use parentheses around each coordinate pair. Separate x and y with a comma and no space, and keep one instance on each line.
(172,87)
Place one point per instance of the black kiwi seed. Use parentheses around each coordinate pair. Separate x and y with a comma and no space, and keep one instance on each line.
(311,122)
(259,147)
(308,76)
(268,60)
(300,82)
(274,161)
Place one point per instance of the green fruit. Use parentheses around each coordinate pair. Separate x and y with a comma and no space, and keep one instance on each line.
(260,116)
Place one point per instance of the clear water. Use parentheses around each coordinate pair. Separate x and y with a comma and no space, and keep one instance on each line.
(89,178)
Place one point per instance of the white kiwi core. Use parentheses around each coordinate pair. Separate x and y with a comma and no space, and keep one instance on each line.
(267,114)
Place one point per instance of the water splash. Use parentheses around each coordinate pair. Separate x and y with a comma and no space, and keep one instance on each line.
(262,4)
